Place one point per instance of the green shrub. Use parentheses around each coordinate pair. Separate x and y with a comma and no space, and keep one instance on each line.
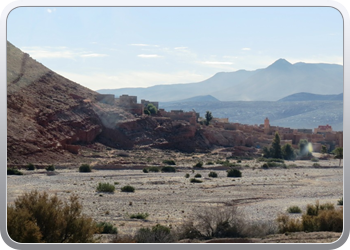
(340,201)
(198,176)
(156,234)
(116,183)
(168,169)
(107,228)
(38,218)
(30,166)
(213,175)
(141,216)
(50,168)
(294,210)
(239,161)
(145,170)
(13,171)
(316,165)
(198,165)
(314,159)
(153,169)
(105,187)
(265,166)
(210,163)
(194,180)
(128,188)
(234,173)
(85,168)
(187,175)
(272,164)
(169,162)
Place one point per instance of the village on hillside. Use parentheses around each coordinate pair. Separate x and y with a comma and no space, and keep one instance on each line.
(257,136)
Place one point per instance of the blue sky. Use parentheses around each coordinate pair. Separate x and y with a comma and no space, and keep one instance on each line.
(139,47)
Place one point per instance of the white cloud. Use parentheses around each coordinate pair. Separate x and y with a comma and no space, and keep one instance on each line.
(247,49)
(148,56)
(143,45)
(94,55)
(181,48)
(50,10)
(132,79)
(58,52)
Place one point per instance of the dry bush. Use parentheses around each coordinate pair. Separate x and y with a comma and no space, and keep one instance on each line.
(260,229)
(216,222)
(37,217)
(123,239)
(287,224)
(156,234)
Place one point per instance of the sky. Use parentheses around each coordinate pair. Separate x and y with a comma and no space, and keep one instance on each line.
(118,47)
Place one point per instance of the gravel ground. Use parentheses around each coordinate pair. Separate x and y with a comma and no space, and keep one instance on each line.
(170,198)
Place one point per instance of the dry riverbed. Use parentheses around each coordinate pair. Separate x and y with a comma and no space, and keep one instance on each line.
(170,198)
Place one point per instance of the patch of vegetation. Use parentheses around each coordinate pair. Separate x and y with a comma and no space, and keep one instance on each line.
(198,176)
(268,165)
(107,228)
(317,218)
(213,175)
(194,180)
(85,168)
(156,234)
(168,169)
(50,168)
(316,165)
(145,170)
(198,165)
(314,159)
(234,173)
(187,175)
(169,162)
(116,183)
(37,218)
(340,201)
(210,163)
(30,166)
(262,159)
(153,169)
(294,210)
(13,171)
(128,189)
(239,161)
(105,187)
(140,216)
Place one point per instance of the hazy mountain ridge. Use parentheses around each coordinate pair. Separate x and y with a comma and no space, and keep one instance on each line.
(311,97)
(296,114)
(278,80)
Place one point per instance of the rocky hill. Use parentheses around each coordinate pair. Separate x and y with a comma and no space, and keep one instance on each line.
(47,114)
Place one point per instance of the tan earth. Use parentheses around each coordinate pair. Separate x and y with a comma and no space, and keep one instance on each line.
(170,198)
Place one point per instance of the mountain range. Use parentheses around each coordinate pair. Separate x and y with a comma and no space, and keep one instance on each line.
(272,83)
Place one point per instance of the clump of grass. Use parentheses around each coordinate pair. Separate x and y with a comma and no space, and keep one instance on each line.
(340,201)
(294,210)
(187,175)
(105,187)
(30,166)
(198,176)
(168,169)
(128,189)
(194,180)
(153,169)
(198,165)
(234,173)
(316,165)
(314,159)
(107,228)
(13,171)
(169,162)
(50,168)
(85,168)
(140,216)
(213,175)
(318,217)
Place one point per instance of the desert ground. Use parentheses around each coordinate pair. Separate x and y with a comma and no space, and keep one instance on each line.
(170,198)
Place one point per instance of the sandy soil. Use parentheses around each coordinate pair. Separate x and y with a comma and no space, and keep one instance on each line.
(170,198)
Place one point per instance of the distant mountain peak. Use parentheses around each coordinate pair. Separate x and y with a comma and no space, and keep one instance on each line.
(280,64)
